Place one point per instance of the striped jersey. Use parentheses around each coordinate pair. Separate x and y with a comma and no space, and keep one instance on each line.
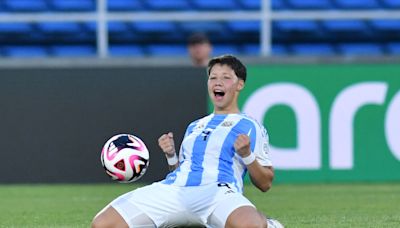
(207,154)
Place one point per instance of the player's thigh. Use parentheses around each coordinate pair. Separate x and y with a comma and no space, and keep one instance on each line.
(108,217)
(246,216)
(230,210)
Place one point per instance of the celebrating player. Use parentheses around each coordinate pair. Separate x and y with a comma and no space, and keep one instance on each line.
(206,184)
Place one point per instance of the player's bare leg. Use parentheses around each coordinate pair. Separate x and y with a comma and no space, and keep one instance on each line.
(246,216)
(108,217)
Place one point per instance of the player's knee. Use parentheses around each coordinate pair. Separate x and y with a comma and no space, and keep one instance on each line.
(99,222)
(96,223)
(252,224)
(250,219)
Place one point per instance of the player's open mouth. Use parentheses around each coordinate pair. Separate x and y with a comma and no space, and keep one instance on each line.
(219,94)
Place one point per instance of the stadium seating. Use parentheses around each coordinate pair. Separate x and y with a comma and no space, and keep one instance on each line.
(250,4)
(303,30)
(72,51)
(346,30)
(72,5)
(25,5)
(24,51)
(357,4)
(166,50)
(124,5)
(161,5)
(255,50)
(310,4)
(221,49)
(215,5)
(163,38)
(393,48)
(127,51)
(313,49)
(391,4)
(15,28)
(360,49)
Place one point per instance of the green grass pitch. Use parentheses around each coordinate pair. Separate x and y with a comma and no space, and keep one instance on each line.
(296,205)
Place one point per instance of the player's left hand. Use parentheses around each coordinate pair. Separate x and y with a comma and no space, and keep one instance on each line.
(242,145)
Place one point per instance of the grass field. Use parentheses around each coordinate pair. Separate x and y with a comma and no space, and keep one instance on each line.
(325,205)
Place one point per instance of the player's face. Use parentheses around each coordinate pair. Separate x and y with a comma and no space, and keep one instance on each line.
(223,88)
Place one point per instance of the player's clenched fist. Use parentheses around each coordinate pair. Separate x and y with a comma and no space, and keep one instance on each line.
(242,145)
(166,142)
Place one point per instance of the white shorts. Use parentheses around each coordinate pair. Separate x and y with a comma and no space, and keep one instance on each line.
(172,206)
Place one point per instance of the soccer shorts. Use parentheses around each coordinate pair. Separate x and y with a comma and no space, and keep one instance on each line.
(174,206)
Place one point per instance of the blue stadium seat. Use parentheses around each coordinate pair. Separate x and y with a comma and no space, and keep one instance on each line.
(124,5)
(278,49)
(391,27)
(393,48)
(357,4)
(391,4)
(19,51)
(118,31)
(310,4)
(255,49)
(167,50)
(278,5)
(225,5)
(73,5)
(72,51)
(168,5)
(114,28)
(244,26)
(119,27)
(208,26)
(221,49)
(250,4)
(293,30)
(354,29)
(320,49)
(25,5)
(52,28)
(154,26)
(15,28)
(126,50)
(251,49)
(256,4)
(366,49)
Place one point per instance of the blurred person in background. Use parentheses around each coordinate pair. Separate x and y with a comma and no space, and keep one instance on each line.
(200,48)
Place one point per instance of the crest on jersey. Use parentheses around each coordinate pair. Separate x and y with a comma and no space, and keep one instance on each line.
(227,124)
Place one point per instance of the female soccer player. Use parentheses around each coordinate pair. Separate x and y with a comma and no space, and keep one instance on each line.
(206,184)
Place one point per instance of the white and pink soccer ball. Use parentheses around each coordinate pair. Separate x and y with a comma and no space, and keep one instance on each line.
(125,158)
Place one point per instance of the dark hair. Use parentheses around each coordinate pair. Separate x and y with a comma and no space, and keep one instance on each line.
(232,62)
(198,38)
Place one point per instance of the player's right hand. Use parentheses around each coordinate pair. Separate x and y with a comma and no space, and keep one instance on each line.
(166,143)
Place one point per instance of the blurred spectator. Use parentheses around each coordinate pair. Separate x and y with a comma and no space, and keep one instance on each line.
(200,49)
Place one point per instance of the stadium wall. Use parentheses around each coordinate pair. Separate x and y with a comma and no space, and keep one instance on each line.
(54,120)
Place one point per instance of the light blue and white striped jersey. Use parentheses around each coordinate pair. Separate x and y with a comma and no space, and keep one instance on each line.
(207,153)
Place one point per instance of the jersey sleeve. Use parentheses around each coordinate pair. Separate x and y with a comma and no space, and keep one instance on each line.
(261,148)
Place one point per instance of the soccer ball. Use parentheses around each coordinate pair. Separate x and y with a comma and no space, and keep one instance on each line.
(125,158)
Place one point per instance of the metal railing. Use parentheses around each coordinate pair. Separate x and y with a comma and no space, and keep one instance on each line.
(266,15)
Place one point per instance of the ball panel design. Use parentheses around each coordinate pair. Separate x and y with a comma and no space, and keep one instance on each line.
(125,158)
